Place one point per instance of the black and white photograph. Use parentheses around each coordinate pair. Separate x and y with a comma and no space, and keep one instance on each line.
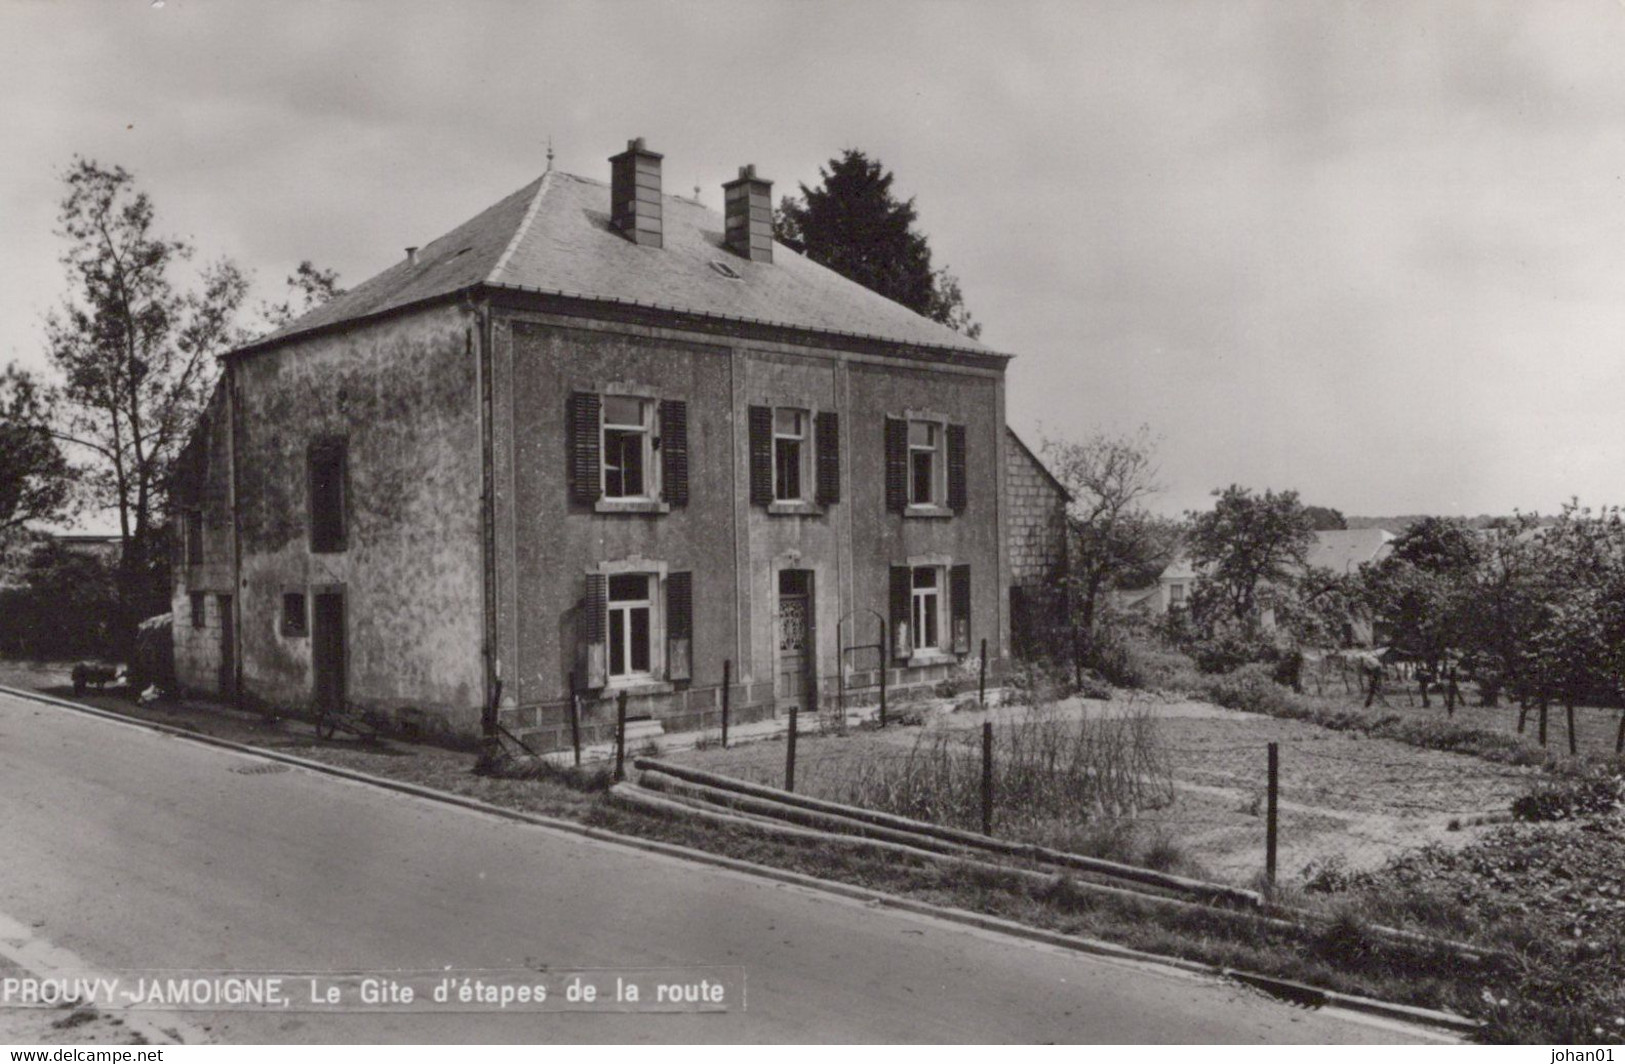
(811,522)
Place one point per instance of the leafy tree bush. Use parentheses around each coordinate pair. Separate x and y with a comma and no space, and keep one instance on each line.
(60,605)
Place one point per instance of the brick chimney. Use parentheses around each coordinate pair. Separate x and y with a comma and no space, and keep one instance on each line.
(634,194)
(748,209)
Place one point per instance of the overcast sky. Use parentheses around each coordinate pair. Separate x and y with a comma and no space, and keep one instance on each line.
(1371,251)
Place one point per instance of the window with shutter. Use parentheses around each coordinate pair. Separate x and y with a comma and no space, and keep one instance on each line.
(761,455)
(827,431)
(674,451)
(956,468)
(679,626)
(328,489)
(896,464)
(901,588)
(586,477)
(959,603)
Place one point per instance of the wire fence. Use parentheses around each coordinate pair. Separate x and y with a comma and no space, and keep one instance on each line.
(1116,787)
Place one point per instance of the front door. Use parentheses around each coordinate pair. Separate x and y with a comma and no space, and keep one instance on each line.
(795,638)
(228,649)
(327,648)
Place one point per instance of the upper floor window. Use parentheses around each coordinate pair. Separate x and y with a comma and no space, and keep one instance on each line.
(194,537)
(627,452)
(795,458)
(925,463)
(629,445)
(329,492)
(791,429)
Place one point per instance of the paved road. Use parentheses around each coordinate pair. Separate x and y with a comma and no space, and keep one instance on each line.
(127,849)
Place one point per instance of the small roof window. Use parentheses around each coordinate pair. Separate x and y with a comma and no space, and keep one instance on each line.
(724,269)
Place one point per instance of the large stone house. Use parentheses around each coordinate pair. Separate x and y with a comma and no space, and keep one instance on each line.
(596,439)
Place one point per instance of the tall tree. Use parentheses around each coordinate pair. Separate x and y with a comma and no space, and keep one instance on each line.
(1109,478)
(1246,550)
(854,225)
(1422,590)
(308,287)
(136,359)
(1325,519)
(33,471)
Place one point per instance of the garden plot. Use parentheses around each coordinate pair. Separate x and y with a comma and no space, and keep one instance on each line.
(1178,785)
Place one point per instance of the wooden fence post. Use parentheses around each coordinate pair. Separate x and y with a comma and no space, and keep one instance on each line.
(575,718)
(981,683)
(885,652)
(620,737)
(1271,822)
(727,696)
(790,754)
(987,777)
(1568,708)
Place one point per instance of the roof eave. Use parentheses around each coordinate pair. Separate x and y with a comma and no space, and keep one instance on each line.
(569,302)
(279,338)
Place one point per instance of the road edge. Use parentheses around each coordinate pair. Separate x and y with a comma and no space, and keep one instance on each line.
(1282,988)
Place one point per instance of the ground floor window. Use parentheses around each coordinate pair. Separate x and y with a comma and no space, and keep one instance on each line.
(926,595)
(199,603)
(631,605)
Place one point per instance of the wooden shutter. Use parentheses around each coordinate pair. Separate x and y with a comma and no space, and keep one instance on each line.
(901,591)
(761,455)
(827,427)
(896,464)
(959,606)
(679,626)
(594,648)
(956,468)
(586,422)
(674,451)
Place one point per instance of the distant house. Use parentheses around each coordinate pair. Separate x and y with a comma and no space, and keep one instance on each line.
(1339,551)
(600,440)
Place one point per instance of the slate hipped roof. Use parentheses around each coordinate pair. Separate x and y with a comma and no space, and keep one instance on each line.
(553,236)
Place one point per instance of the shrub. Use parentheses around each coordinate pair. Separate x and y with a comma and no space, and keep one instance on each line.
(1252,689)
(1566,799)
(1092,686)
(1227,651)
(1053,777)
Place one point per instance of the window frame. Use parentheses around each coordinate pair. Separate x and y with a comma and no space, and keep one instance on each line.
(649,454)
(199,602)
(805,445)
(625,607)
(324,540)
(934,598)
(938,453)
